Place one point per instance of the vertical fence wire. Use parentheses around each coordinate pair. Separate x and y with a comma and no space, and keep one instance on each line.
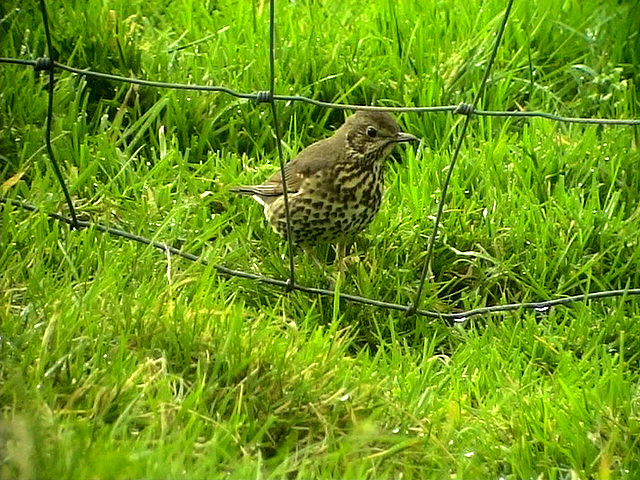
(50,67)
(426,267)
(276,129)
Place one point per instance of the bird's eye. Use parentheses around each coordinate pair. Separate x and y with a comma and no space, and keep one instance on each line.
(372,132)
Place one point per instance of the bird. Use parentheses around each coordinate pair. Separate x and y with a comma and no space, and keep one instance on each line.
(335,185)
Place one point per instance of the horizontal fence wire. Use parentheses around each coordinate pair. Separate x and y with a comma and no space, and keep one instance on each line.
(469,110)
(451,318)
(263,96)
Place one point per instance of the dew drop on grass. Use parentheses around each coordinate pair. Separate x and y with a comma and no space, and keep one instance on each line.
(344,398)
(469,454)
(395,430)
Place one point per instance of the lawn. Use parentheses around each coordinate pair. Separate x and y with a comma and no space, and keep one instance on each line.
(119,360)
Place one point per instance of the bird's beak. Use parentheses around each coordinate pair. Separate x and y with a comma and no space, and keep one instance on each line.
(405,137)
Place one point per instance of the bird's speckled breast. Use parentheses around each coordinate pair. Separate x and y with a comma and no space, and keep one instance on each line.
(331,204)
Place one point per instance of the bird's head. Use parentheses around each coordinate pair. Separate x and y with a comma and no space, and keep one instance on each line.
(371,135)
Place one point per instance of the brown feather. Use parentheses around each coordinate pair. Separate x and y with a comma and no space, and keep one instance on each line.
(309,161)
(335,185)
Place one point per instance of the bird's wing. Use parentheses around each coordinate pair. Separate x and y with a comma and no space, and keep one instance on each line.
(308,162)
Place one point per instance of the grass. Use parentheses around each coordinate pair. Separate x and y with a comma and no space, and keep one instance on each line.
(118,361)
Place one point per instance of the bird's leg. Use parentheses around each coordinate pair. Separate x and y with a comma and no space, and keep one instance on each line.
(340,249)
(336,282)
(309,251)
(341,255)
(331,280)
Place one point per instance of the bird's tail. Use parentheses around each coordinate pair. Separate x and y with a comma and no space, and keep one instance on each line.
(244,190)
(265,190)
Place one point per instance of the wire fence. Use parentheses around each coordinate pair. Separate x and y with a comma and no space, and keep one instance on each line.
(268,96)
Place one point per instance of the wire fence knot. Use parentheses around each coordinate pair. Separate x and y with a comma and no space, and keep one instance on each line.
(464,109)
(43,63)
(289,285)
(264,96)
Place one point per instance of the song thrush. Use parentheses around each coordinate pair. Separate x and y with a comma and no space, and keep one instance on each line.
(334,185)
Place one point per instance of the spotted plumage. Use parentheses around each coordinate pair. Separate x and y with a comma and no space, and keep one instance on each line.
(335,185)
